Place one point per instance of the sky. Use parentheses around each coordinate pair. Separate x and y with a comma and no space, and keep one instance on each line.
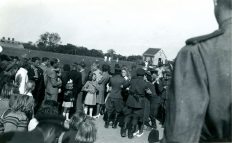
(127,26)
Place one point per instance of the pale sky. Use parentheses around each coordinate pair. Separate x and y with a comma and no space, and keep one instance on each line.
(127,26)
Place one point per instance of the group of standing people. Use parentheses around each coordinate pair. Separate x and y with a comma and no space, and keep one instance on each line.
(130,97)
(30,98)
(135,96)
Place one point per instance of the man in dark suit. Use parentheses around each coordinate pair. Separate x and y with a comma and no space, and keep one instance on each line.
(39,91)
(115,100)
(200,98)
(76,77)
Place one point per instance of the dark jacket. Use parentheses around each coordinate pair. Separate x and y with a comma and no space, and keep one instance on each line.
(137,92)
(77,82)
(116,83)
(153,95)
(199,105)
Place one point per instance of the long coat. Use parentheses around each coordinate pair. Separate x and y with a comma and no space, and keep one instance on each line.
(51,84)
(200,99)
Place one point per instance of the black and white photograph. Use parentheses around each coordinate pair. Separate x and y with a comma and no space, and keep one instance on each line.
(115,71)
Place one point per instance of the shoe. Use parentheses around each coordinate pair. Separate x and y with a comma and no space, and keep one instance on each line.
(135,133)
(97,116)
(130,135)
(123,132)
(140,134)
(106,124)
(130,132)
(115,124)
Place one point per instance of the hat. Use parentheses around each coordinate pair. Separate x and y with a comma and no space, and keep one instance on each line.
(140,72)
(153,136)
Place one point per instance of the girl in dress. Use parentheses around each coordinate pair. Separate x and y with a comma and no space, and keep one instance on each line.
(91,87)
(68,99)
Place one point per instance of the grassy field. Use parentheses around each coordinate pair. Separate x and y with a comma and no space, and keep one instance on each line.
(64,58)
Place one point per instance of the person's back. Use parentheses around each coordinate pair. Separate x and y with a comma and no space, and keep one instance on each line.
(218,65)
(116,82)
(199,107)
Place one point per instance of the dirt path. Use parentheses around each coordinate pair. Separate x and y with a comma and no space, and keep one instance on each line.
(113,135)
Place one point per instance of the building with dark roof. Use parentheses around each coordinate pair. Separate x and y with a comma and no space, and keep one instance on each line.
(10,43)
(154,56)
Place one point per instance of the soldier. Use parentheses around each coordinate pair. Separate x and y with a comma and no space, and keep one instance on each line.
(135,104)
(199,106)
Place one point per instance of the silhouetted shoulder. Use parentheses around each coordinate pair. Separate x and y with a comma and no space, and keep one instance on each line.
(195,40)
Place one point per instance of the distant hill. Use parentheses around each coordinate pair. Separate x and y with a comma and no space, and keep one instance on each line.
(64,58)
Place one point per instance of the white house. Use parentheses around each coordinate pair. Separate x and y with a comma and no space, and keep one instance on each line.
(10,43)
(154,56)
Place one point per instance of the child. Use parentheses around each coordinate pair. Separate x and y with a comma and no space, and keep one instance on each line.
(91,87)
(87,132)
(82,130)
(68,99)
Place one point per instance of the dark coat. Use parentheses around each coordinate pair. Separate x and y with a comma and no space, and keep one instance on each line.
(116,82)
(199,105)
(137,93)
(77,82)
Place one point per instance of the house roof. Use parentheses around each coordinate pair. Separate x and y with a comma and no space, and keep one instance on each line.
(151,51)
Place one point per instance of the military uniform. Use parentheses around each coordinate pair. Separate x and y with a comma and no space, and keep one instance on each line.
(200,100)
(135,104)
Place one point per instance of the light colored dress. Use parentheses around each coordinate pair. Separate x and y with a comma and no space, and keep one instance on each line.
(91,97)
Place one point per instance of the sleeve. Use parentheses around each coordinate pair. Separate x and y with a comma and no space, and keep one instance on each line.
(10,123)
(188,98)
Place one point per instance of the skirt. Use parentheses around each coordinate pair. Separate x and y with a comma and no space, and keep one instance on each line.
(67,104)
(90,99)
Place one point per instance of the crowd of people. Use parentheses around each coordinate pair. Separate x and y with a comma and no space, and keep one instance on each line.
(42,102)
(126,97)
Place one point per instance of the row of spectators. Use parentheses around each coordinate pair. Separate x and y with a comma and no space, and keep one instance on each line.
(28,114)
(131,97)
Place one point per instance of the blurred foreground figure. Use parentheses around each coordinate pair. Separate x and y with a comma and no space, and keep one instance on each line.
(200,100)
(47,131)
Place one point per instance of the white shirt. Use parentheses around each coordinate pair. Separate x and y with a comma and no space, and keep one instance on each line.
(24,78)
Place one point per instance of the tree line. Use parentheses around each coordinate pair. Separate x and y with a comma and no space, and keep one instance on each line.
(52,42)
